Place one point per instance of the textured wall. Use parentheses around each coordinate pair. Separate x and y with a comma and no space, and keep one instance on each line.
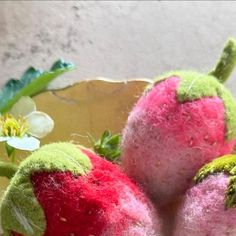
(113,39)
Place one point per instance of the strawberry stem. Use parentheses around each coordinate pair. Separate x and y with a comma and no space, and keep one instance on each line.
(227,61)
(7,169)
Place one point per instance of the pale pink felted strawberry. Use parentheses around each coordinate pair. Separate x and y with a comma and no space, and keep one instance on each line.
(184,120)
(208,208)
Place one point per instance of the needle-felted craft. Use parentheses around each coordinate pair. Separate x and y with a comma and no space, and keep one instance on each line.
(209,207)
(184,120)
(64,190)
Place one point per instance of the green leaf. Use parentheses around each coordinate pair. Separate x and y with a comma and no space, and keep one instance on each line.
(32,82)
(108,146)
(29,75)
(9,149)
(7,169)
(61,64)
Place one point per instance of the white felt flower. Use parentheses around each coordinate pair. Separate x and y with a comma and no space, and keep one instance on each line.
(23,125)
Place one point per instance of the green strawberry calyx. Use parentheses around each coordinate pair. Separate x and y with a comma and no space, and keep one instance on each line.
(108,146)
(225,164)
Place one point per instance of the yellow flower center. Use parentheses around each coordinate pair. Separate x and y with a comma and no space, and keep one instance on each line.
(11,126)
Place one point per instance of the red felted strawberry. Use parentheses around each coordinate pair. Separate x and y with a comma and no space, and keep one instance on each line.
(63,190)
(184,120)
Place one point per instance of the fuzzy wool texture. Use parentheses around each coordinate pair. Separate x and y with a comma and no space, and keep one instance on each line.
(225,164)
(194,85)
(203,210)
(166,141)
(104,202)
(20,209)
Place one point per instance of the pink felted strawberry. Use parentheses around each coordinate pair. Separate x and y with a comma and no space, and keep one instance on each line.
(208,207)
(184,120)
(63,190)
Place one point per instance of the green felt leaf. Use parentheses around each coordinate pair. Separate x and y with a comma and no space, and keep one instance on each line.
(230,198)
(225,164)
(32,82)
(7,170)
(108,146)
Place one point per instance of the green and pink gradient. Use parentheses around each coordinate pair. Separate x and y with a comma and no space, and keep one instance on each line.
(208,207)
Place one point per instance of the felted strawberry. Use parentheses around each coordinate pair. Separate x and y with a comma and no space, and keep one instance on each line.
(184,120)
(64,190)
(209,207)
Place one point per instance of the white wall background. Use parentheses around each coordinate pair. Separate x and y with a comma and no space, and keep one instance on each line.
(115,39)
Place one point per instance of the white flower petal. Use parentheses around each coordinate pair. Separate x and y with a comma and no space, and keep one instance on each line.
(3,139)
(24,143)
(24,106)
(40,124)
